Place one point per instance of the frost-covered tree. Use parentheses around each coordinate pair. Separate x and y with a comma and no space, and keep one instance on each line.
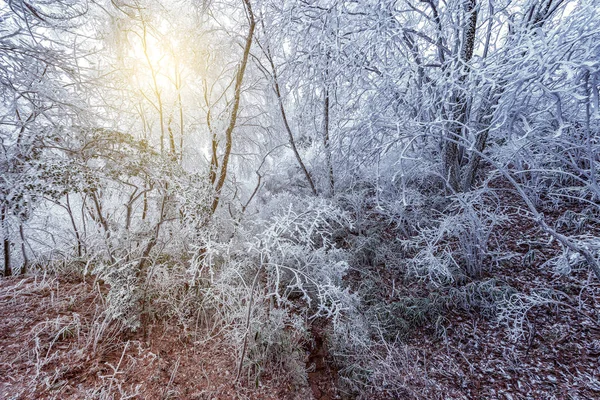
(274,165)
(38,77)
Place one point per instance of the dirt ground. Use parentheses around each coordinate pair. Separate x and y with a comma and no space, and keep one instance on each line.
(53,345)
(551,350)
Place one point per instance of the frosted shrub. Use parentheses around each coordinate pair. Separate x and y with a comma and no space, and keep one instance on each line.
(475,222)
(481,296)
(351,342)
(401,372)
(467,223)
(123,300)
(276,341)
(567,260)
(298,250)
(513,312)
(274,277)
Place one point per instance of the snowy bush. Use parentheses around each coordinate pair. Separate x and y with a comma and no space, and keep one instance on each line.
(279,272)
(457,243)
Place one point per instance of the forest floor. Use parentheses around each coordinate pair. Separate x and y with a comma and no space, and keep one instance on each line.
(552,353)
(55,345)
(50,348)
(543,344)
(550,348)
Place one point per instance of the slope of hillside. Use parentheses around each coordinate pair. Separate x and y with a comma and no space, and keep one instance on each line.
(54,344)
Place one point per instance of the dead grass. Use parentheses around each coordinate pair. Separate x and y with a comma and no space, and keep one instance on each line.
(56,344)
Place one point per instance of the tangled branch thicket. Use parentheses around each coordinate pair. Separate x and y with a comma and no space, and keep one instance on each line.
(353,182)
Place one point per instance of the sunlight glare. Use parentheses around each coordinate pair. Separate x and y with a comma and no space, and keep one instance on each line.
(153,63)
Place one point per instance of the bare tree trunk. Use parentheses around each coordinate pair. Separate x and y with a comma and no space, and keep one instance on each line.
(104,224)
(75,230)
(172,152)
(326,136)
(141,266)
(180,106)
(153,240)
(326,142)
(285,121)
(25,265)
(589,135)
(214,161)
(481,141)
(236,104)
(5,243)
(452,153)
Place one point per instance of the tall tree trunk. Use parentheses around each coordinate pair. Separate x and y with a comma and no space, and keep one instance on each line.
(286,124)
(327,143)
(25,265)
(5,243)
(159,106)
(453,148)
(74,225)
(178,85)
(481,141)
(236,104)
(326,125)
(104,224)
